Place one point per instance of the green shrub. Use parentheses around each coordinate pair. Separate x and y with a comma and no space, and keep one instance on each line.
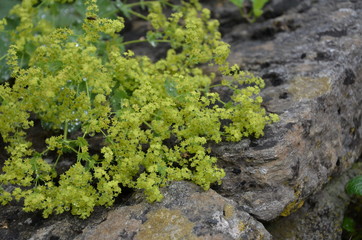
(153,118)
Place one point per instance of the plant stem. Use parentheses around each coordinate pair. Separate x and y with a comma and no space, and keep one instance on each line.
(87,89)
(138,15)
(141,41)
(65,130)
(1,58)
(146,3)
(56,161)
(148,125)
(139,3)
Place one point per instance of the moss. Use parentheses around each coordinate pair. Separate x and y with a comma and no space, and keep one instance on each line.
(166,224)
(229,211)
(308,87)
(292,207)
(242,226)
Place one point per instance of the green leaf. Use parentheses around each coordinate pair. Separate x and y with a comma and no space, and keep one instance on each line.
(55,66)
(124,9)
(107,9)
(170,87)
(60,15)
(116,99)
(258,6)
(142,4)
(162,170)
(80,8)
(82,142)
(83,156)
(4,69)
(90,164)
(5,42)
(354,186)
(29,48)
(228,105)
(152,38)
(349,224)
(238,3)
(6,5)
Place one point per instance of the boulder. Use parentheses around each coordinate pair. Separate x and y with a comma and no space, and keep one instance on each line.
(311,60)
(186,212)
(321,215)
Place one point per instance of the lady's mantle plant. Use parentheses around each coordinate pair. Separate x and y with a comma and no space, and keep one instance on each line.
(154,117)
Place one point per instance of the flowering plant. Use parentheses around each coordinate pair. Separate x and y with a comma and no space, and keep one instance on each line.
(152,119)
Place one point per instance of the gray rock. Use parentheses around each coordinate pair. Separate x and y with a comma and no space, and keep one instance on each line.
(186,212)
(322,214)
(312,65)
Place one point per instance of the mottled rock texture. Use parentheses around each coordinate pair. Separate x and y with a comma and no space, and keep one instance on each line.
(186,212)
(321,215)
(311,59)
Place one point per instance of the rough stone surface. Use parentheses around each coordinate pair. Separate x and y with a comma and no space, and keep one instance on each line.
(311,59)
(322,214)
(186,212)
(16,224)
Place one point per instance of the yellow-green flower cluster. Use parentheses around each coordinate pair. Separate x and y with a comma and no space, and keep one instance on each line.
(3,22)
(152,119)
(27,30)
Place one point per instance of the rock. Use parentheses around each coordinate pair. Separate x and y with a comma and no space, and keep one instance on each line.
(322,214)
(16,224)
(311,62)
(186,212)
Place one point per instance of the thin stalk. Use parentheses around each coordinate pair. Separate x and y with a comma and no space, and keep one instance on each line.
(141,41)
(146,3)
(56,161)
(138,15)
(65,130)
(69,147)
(106,138)
(86,87)
(1,58)
(148,125)
(217,85)
(139,3)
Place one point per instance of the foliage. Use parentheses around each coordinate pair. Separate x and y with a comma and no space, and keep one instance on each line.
(350,225)
(154,118)
(354,186)
(256,9)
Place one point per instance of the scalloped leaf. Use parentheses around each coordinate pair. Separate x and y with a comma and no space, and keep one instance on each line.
(238,3)
(258,6)
(171,87)
(354,186)
(349,224)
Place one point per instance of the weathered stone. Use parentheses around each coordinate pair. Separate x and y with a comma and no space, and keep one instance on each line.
(322,214)
(186,212)
(15,224)
(312,64)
